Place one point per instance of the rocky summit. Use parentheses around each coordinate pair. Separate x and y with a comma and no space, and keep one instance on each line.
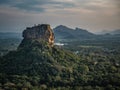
(39,32)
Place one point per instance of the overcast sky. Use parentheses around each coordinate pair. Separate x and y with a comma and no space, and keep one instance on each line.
(93,15)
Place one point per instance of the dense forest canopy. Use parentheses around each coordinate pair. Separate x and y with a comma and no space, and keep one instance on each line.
(89,64)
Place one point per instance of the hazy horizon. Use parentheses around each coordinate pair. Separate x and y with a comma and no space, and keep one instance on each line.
(94,32)
(94,15)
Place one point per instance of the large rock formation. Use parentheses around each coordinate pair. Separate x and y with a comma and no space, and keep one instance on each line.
(39,32)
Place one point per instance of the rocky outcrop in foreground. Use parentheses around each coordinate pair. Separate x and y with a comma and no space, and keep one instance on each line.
(40,32)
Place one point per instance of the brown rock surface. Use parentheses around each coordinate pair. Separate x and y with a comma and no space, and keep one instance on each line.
(40,32)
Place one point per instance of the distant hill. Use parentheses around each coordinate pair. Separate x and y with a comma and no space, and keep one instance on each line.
(6,35)
(115,31)
(64,32)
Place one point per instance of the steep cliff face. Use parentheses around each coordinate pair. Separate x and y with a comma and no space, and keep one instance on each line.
(40,32)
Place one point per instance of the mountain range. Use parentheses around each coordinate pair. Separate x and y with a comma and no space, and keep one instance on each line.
(63,32)
(113,32)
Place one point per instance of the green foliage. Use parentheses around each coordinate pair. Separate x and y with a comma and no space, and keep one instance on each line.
(37,66)
(8,44)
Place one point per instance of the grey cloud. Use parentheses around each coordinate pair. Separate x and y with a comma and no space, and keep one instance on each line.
(25,5)
(4,1)
(53,12)
(31,5)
